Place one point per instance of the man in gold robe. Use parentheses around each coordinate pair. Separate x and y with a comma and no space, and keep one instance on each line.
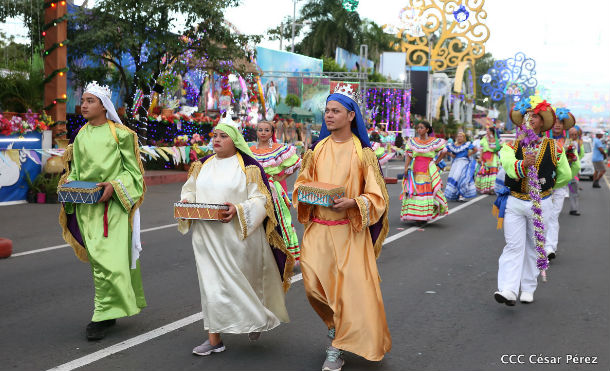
(341,243)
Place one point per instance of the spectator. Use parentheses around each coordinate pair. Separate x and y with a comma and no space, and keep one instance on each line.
(599,157)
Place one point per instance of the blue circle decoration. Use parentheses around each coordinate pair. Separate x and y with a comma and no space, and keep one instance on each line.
(461,14)
(510,80)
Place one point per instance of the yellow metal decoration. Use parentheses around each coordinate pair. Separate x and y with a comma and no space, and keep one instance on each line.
(429,27)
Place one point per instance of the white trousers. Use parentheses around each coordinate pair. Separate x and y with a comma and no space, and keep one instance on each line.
(517,264)
(552,233)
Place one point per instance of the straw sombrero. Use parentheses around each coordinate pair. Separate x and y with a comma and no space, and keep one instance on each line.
(536,105)
(564,115)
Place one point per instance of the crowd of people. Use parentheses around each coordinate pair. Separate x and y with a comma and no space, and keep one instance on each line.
(245,259)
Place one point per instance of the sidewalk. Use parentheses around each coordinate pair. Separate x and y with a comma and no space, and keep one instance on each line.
(155,177)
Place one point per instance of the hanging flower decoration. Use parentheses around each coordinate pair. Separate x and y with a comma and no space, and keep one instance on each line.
(461,14)
(252,88)
(350,5)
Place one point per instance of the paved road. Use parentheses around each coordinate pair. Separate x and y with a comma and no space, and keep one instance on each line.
(437,286)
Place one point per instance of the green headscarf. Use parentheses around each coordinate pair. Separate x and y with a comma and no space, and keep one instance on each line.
(235,135)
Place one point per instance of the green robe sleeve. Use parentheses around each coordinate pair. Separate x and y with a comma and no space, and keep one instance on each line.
(575,166)
(563,171)
(514,168)
(129,183)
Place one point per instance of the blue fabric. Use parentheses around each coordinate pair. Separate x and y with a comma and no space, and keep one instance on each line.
(502,193)
(461,151)
(597,155)
(350,105)
(461,180)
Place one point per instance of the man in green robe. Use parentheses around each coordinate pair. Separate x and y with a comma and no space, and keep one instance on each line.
(106,234)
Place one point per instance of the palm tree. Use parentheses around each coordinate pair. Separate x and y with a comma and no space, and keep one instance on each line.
(377,39)
(331,26)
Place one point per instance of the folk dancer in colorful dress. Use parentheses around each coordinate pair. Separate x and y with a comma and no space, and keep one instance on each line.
(341,243)
(242,263)
(383,155)
(423,198)
(279,161)
(485,177)
(523,253)
(106,234)
(564,120)
(460,184)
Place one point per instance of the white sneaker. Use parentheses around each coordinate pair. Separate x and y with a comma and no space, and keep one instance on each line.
(526,297)
(506,297)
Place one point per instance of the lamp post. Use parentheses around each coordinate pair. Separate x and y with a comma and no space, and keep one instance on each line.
(281,34)
(305,23)
(294,17)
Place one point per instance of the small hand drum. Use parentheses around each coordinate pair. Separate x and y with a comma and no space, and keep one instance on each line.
(79,192)
(318,193)
(198,211)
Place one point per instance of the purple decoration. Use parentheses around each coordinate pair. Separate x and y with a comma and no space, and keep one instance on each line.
(529,140)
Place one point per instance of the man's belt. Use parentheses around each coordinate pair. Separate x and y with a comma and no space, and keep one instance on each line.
(526,196)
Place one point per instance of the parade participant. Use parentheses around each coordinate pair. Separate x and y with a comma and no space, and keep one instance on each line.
(576,143)
(598,158)
(422,197)
(488,166)
(564,120)
(279,161)
(460,183)
(106,234)
(383,156)
(241,261)
(518,269)
(341,243)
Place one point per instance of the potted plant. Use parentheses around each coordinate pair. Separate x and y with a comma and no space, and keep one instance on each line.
(32,189)
(52,181)
(39,186)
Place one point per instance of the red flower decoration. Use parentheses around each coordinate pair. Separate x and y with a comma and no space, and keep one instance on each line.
(542,106)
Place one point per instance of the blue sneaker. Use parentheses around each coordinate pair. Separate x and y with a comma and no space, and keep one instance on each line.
(333,361)
(206,348)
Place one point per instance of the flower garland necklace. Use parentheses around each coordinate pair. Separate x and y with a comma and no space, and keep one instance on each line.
(529,140)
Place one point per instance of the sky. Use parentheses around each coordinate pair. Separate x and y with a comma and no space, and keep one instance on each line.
(570,41)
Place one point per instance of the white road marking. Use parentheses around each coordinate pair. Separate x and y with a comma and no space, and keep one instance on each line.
(119,347)
(451,211)
(66,245)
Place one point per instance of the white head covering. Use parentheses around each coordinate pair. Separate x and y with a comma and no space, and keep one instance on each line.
(104,94)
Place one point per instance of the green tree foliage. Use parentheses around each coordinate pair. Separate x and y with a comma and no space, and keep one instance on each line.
(21,83)
(32,14)
(331,26)
(329,65)
(377,40)
(292,101)
(144,31)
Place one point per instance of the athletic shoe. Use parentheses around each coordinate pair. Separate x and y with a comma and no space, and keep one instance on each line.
(526,297)
(505,297)
(206,348)
(333,361)
(253,336)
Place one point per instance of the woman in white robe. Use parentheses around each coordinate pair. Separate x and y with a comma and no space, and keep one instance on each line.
(241,285)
